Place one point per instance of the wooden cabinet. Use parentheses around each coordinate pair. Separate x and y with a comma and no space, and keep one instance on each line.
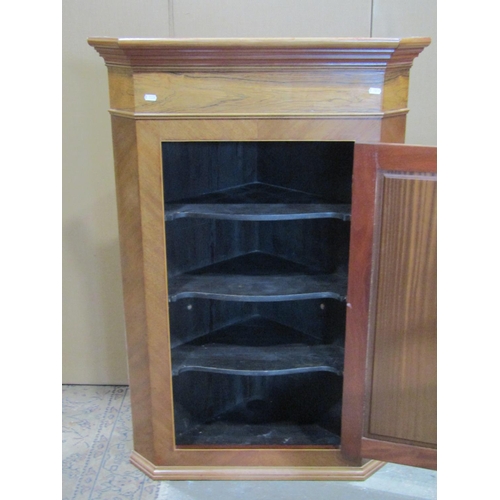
(278,274)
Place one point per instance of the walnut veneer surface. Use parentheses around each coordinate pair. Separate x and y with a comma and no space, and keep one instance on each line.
(228,90)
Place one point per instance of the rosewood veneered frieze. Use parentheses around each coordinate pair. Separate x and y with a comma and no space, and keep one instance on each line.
(263,78)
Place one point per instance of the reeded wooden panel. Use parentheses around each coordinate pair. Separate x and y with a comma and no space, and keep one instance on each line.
(403,390)
(389,401)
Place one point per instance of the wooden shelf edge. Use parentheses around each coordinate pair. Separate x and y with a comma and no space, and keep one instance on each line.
(276,288)
(258,211)
(234,359)
(255,473)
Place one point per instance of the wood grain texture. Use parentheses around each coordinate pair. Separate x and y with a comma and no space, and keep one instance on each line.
(131,249)
(284,92)
(155,283)
(396,82)
(243,90)
(346,78)
(121,88)
(400,453)
(358,299)
(256,472)
(155,329)
(403,393)
(236,128)
(390,366)
(273,53)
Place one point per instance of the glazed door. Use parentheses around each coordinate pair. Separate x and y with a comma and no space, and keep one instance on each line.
(389,401)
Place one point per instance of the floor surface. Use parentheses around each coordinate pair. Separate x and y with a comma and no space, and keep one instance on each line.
(97,442)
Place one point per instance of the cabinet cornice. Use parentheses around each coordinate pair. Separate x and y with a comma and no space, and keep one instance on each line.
(246,54)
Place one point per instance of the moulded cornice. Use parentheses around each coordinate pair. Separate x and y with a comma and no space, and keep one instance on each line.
(238,54)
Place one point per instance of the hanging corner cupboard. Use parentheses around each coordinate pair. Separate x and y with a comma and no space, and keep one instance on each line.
(278,255)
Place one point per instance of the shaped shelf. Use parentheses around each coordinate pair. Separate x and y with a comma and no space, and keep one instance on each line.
(258,276)
(259,212)
(257,347)
(257,201)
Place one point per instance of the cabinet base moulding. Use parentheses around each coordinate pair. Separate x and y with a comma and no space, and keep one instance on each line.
(221,473)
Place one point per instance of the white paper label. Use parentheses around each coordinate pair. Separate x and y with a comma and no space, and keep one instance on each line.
(150,97)
(374,90)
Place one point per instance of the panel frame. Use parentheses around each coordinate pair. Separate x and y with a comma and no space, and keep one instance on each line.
(155,451)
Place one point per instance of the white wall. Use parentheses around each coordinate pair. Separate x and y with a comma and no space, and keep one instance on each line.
(93,321)
(397,18)
(271,18)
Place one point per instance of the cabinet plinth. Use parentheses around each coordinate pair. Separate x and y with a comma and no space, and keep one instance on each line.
(234,166)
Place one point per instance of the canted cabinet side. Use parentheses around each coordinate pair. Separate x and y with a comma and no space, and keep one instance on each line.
(237,93)
(132,262)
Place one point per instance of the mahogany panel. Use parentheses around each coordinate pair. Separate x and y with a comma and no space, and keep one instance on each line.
(358,299)
(390,363)
(400,453)
(403,391)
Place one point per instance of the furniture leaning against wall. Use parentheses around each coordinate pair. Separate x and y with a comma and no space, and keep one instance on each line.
(267,255)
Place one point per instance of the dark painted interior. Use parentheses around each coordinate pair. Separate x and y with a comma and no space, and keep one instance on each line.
(257,289)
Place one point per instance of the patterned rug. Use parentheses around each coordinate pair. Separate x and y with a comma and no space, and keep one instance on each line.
(97,442)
